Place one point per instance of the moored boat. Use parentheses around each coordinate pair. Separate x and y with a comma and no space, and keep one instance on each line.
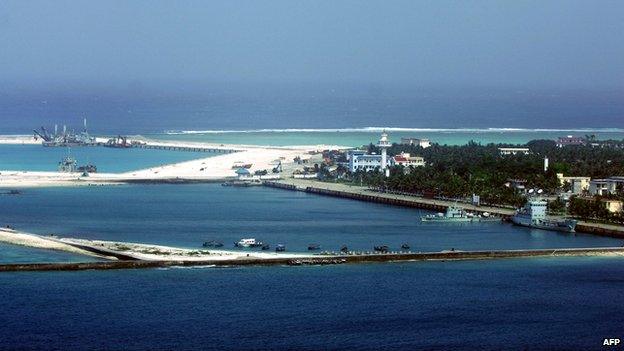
(452,214)
(251,242)
(533,215)
(382,248)
(313,247)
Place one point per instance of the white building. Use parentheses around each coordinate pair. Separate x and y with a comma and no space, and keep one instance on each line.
(424,143)
(360,161)
(513,150)
(578,185)
(605,186)
(406,160)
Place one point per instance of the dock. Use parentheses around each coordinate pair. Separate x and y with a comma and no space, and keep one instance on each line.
(173,147)
(361,193)
(318,259)
(365,194)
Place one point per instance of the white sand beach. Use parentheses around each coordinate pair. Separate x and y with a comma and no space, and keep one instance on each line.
(138,251)
(19,140)
(215,168)
(14,237)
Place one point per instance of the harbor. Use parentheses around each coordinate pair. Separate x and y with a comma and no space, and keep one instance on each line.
(365,194)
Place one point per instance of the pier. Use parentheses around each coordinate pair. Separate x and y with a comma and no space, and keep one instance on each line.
(173,147)
(318,259)
(365,194)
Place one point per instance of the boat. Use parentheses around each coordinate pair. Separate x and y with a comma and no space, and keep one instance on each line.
(280,248)
(405,246)
(452,214)
(212,243)
(344,249)
(239,164)
(266,247)
(88,168)
(533,215)
(381,248)
(313,247)
(251,242)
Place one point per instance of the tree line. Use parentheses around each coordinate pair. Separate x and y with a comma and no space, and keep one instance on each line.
(458,171)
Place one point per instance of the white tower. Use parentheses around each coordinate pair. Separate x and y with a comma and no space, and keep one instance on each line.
(545,164)
(384,144)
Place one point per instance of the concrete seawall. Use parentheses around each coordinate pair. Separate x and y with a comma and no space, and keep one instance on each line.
(363,194)
(320,259)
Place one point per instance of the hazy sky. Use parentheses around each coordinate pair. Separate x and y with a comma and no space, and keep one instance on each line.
(559,43)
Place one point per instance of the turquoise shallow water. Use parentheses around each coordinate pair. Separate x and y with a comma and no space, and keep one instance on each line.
(359,138)
(39,158)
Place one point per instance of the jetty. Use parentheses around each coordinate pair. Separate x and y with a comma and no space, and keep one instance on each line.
(124,255)
(317,259)
(365,194)
(184,146)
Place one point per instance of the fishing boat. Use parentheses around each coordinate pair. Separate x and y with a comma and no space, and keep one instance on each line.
(381,248)
(280,248)
(314,247)
(405,246)
(533,215)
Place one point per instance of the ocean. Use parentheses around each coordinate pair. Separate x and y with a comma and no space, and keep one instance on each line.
(256,107)
(545,303)
(536,304)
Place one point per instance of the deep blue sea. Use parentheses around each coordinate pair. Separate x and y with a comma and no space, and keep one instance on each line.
(229,107)
(535,304)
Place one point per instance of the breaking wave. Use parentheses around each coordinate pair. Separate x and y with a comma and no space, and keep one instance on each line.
(397,129)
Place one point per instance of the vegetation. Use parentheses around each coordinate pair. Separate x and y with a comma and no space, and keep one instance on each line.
(459,171)
(593,208)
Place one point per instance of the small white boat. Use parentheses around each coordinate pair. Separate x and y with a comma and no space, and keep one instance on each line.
(251,242)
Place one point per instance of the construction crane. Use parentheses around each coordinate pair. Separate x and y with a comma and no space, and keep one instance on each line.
(43,134)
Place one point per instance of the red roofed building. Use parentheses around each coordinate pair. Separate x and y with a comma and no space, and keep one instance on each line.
(406,160)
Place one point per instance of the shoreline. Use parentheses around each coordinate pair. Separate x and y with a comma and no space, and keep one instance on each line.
(320,260)
(126,255)
(220,167)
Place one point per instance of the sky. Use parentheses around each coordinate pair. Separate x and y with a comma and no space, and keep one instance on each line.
(438,43)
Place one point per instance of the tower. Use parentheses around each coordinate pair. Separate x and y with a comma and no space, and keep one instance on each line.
(545,164)
(384,144)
